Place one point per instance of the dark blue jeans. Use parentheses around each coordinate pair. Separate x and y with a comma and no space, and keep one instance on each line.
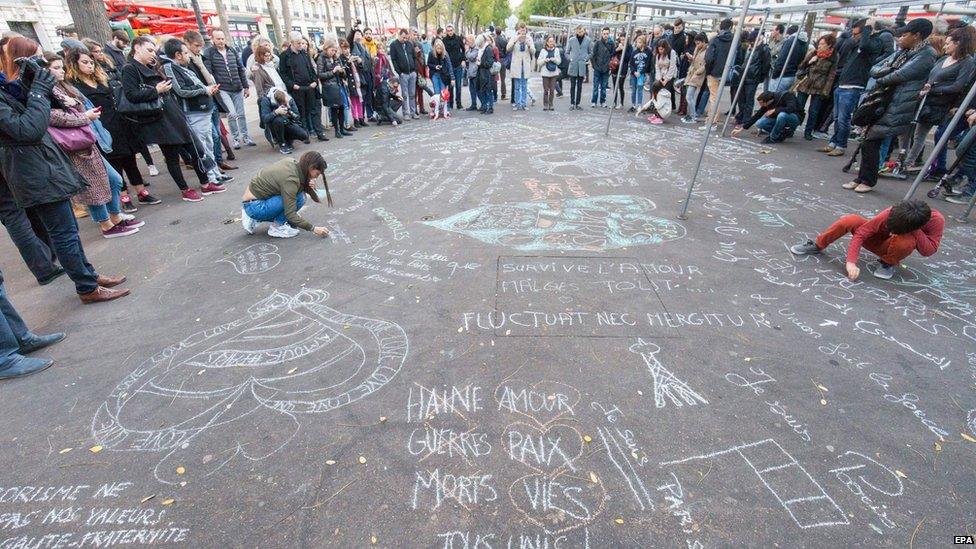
(473,91)
(60,223)
(813,111)
(845,101)
(27,233)
(271,209)
(458,83)
(600,87)
(12,328)
(778,127)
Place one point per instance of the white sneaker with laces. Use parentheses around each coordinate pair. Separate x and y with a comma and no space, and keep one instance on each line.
(248,222)
(281,231)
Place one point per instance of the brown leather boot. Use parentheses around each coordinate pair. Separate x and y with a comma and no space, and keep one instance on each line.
(109,281)
(102,294)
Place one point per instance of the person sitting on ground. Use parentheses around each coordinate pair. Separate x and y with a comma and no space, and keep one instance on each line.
(387,102)
(659,105)
(280,120)
(278,192)
(892,235)
(776,115)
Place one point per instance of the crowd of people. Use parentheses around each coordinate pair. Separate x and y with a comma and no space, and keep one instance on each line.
(73,124)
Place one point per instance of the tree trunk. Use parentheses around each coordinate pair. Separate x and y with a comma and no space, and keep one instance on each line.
(280,37)
(286,13)
(329,25)
(224,23)
(90,19)
(346,16)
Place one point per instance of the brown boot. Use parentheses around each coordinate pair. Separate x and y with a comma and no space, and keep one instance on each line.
(109,281)
(102,294)
(225,166)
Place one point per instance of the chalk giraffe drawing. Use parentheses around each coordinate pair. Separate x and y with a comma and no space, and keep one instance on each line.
(240,388)
(593,223)
(666,384)
(803,498)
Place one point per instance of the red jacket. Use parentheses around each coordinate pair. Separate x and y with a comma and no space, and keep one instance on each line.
(927,238)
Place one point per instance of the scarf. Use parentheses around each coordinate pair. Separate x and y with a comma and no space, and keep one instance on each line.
(825,53)
(272,72)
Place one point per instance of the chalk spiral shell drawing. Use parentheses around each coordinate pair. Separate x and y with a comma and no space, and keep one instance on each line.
(241,388)
(595,223)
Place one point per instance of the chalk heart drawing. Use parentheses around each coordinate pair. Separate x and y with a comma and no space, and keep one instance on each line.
(255,259)
(588,163)
(557,504)
(543,402)
(595,223)
(240,389)
(551,450)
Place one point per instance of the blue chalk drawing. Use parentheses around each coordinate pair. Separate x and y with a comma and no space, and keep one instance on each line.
(592,223)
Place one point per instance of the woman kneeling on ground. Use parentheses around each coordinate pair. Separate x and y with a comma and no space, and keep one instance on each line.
(278,192)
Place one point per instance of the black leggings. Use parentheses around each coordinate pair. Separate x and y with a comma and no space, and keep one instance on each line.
(337,116)
(172,155)
(618,84)
(284,132)
(575,89)
(126,165)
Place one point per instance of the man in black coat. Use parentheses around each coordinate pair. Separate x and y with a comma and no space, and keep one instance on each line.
(600,61)
(300,77)
(715,55)
(405,66)
(502,44)
(115,48)
(777,115)
(855,58)
(225,66)
(454,45)
(679,44)
(42,179)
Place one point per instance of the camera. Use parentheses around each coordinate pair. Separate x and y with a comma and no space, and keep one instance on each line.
(29,67)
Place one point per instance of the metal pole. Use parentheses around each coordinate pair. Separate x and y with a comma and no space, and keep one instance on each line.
(742,79)
(943,140)
(796,38)
(200,26)
(736,34)
(629,29)
(964,218)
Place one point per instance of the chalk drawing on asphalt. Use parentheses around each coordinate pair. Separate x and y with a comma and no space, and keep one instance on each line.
(667,386)
(255,259)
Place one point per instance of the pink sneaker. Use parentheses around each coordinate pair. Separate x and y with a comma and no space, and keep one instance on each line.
(447,115)
(655,120)
(191,195)
(211,188)
(119,230)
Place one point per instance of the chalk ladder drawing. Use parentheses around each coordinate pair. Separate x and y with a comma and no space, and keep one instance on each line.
(240,388)
(594,223)
(666,384)
(803,498)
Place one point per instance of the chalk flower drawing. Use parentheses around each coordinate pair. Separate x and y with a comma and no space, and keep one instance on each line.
(594,223)
(240,388)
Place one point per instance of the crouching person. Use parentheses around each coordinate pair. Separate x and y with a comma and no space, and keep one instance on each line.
(278,192)
(280,120)
(777,115)
(892,235)
(388,102)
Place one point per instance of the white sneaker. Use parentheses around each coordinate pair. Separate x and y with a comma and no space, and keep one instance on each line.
(126,217)
(153,171)
(294,231)
(281,231)
(248,222)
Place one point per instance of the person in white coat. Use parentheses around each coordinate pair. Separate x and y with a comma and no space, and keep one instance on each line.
(548,64)
(523,52)
(578,49)
(665,66)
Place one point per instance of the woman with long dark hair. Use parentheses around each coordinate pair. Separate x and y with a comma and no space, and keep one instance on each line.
(278,192)
(36,171)
(142,82)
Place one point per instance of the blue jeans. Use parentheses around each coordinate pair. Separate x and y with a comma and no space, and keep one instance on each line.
(813,112)
(215,133)
(776,127)
(520,91)
(271,209)
(939,165)
(636,92)
(473,91)
(12,328)
(28,234)
(59,220)
(488,98)
(600,79)
(845,101)
(781,84)
(101,212)
(458,84)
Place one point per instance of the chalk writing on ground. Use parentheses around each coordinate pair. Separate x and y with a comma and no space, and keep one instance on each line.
(595,223)
(667,387)
(289,356)
(255,259)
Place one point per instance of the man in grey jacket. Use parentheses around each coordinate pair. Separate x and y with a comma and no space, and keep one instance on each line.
(226,67)
(578,50)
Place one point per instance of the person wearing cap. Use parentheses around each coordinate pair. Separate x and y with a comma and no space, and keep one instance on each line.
(902,75)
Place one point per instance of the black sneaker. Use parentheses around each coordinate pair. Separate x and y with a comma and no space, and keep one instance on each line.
(807,248)
(225,178)
(146,198)
(127,206)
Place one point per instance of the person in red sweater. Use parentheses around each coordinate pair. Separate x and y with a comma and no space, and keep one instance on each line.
(892,235)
